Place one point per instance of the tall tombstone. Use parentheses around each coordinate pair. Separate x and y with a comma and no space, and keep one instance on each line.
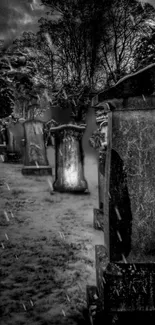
(125,265)
(2,139)
(129,213)
(35,157)
(69,158)
(14,133)
(98,141)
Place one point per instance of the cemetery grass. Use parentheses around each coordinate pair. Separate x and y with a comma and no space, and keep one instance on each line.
(47,247)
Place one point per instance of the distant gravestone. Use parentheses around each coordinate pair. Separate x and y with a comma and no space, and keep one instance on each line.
(69,162)
(2,139)
(14,134)
(35,157)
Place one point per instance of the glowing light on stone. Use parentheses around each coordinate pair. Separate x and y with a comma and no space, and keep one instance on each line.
(71,176)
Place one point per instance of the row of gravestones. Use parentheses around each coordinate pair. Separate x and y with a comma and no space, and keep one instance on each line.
(125,264)
(25,142)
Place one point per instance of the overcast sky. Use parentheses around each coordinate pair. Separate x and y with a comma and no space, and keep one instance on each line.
(17,16)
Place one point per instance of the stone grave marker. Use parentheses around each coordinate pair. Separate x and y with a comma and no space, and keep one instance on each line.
(125,265)
(98,141)
(14,133)
(2,139)
(69,158)
(35,157)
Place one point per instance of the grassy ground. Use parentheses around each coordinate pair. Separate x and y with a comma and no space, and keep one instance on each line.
(47,248)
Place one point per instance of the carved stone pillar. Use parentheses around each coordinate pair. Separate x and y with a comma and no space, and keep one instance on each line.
(98,141)
(69,158)
(35,157)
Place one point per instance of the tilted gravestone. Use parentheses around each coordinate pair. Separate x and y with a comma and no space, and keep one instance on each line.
(98,142)
(69,158)
(35,157)
(125,265)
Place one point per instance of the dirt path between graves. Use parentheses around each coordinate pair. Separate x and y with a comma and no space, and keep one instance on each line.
(47,248)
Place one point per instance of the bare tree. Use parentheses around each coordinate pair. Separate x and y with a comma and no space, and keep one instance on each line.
(126,21)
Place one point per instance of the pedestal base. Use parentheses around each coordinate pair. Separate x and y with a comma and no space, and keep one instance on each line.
(82,187)
(12,157)
(98,219)
(123,292)
(2,149)
(34,170)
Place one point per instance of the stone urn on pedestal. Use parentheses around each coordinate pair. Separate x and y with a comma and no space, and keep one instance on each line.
(98,141)
(69,158)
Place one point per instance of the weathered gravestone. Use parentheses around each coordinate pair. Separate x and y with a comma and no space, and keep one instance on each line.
(125,266)
(69,158)
(2,139)
(14,133)
(131,185)
(35,157)
(98,142)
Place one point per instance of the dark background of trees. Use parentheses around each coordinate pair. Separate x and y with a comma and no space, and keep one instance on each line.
(82,46)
